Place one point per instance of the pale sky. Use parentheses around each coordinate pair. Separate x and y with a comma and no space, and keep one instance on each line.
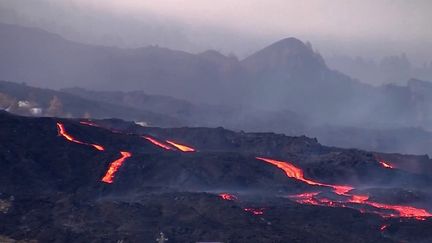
(353,26)
(394,19)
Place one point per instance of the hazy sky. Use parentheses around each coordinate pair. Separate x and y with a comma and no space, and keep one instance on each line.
(353,27)
(364,19)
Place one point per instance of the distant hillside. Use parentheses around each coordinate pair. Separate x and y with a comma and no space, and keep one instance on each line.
(139,106)
(198,114)
(284,87)
(47,60)
(26,100)
(273,74)
(407,140)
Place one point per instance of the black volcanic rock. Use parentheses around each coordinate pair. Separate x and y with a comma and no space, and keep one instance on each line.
(51,189)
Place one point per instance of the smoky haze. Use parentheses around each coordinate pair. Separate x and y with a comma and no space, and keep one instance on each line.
(359,69)
(371,28)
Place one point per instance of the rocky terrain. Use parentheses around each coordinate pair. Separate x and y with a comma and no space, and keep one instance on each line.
(68,180)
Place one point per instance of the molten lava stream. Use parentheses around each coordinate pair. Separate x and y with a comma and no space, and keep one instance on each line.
(310,197)
(386,164)
(297,173)
(114,166)
(227,196)
(63,133)
(157,143)
(181,147)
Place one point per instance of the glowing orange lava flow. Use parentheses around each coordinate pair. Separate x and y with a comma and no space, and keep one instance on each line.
(227,196)
(403,211)
(157,143)
(297,173)
(311,197)
(62,132)
(386,164)
(181,147)
(114,166)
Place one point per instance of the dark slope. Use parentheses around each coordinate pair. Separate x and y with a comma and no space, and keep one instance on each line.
(51,189)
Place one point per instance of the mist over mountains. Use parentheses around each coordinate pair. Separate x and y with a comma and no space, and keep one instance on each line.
(394,69)
(285,87)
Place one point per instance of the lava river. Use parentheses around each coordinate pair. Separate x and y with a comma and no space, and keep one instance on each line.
(115,165)
(227,196)
(386,164)
(170,145)
(348,199)
(67,136)
(314,198)
(181,147)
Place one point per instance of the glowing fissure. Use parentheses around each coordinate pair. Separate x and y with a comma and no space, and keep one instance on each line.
(297,173)
(311,197)
(386,164)
(157,143)
(181,147)
(114,166)
(227,196)
(166,146)
(63,133)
